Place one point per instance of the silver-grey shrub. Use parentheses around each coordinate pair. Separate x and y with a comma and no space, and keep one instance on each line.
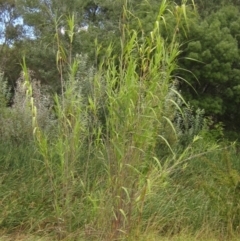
(16,120)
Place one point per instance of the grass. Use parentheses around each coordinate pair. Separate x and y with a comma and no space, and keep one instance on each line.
(149,237)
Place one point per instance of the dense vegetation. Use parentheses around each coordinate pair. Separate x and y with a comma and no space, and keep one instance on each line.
(114,119)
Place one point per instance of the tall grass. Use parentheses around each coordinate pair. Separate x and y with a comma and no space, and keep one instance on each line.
(111,167)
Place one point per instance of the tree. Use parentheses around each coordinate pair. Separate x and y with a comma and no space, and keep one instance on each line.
(11,29)
(212,56)
(11,32)
(47,18)
(102,21)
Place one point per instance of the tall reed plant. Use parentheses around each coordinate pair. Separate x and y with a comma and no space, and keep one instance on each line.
(103,164)
(138,84)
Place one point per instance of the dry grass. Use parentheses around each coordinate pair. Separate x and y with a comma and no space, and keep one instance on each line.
(147,237)
(23,237)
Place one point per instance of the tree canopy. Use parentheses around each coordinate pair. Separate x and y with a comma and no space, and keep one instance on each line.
(210,42)
(212,57)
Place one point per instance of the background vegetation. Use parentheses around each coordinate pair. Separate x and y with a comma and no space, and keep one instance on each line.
(117,120)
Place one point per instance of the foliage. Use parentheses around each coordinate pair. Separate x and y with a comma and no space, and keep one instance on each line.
(16,121)
(4,92)
(11,30)
(92,20)
(212,57)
